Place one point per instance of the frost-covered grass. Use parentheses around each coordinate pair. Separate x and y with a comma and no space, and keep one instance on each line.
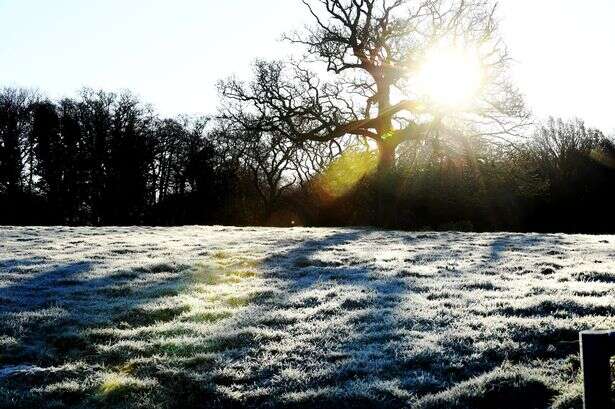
(227,317)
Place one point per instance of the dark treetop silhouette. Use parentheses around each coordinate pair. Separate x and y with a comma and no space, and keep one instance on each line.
(374,48)
(299,145)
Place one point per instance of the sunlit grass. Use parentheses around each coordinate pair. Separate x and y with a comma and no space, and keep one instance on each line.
(116,385)
(208,274)
(209,316)
(301,317)
(238,301)
(216,286)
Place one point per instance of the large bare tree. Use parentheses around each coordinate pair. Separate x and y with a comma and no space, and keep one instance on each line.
(373,53)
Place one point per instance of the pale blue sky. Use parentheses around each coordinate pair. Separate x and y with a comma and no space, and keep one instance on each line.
(172,52)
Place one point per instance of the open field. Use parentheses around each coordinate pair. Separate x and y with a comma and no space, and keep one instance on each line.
(226,317)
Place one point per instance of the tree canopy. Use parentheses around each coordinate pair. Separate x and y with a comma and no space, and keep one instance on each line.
(373,53)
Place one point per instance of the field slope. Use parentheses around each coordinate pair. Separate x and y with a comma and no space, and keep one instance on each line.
(244,317)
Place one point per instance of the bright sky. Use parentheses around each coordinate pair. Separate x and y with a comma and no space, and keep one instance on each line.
(173,52)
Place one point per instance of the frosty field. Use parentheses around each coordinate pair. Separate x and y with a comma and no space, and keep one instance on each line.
(245,317)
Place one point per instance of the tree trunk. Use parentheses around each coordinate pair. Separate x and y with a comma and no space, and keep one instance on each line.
(386,152)
(386,157)
(384,192)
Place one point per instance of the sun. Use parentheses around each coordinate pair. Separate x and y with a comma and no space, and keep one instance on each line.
(450,77)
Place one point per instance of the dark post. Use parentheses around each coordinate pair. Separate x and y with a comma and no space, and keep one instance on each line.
(597,347)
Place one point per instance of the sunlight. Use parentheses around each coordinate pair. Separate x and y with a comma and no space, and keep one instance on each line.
(345,173)
(450,76)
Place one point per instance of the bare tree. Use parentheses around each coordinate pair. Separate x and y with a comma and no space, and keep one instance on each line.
(374,49)
(268,158)
(274,163)
(314,157)
(178,141)
(17,148)
(559,146)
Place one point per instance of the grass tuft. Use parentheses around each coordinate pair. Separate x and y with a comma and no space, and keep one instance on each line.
(119,385)
(504,388)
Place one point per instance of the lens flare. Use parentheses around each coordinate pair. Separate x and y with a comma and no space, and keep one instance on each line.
(345,173)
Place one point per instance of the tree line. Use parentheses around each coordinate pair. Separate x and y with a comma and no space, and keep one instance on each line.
(104,158)
(361,145)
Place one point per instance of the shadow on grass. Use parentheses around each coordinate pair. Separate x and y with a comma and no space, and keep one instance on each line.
(331,330)
(46,313)
(373,350)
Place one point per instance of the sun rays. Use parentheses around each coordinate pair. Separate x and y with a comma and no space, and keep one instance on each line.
(450,77)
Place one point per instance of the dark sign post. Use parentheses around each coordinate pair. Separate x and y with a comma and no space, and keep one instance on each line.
(597,347)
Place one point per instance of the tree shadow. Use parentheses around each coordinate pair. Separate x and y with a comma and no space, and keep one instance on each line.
(46,314)
(518,241)
(353,318)
(370,335)
(316,293)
